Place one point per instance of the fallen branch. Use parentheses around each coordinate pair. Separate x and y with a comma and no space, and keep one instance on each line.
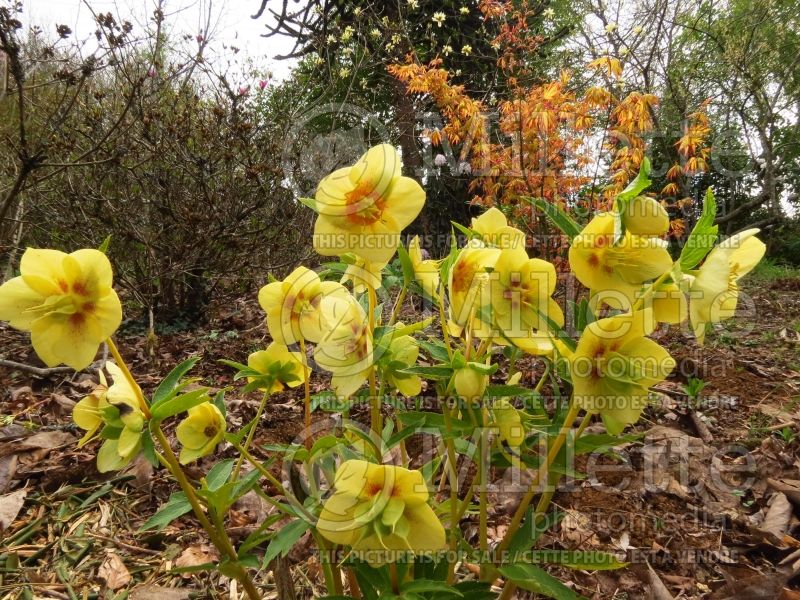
(38,371)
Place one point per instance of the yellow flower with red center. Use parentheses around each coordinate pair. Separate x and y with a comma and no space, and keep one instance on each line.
(521,296)
(346,348)
(468,285)
(714,292)
(381,512)
(292,305)
(615,273)
(614,365)
(362,209)
(66,302)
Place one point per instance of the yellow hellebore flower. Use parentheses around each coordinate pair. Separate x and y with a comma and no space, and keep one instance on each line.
(468,284)
(118,407)
(714,292)
(200,432)
(614,274)
(284,366)
(292,305)
(521,292)
(646,216)
(346,349)
(363,273)
(469,383)
(381,512)
(614,365)
(362,209)
(403,353)
(426,271)
(67,303)
(494,230)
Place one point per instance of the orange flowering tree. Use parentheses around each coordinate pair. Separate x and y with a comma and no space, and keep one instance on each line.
(575,144)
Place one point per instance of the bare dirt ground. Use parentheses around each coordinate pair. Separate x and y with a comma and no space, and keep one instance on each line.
(705,505)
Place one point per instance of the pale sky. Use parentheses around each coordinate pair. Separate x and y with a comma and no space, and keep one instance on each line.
(231,25)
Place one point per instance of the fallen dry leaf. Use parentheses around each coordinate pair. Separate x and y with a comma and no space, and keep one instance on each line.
(778,516)
(658,591)
(195,556)
(158,592)
(10,505)
(114,572)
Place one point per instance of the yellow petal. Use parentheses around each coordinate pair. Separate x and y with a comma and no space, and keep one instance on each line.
(376,170)
(404,201)
(16,300)
(58,339)
(337,520)
(645,216)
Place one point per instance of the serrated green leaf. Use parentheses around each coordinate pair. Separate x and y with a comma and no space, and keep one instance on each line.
(431,372)
(177,505)
(283,540)
(179,404)
(166,388)
(406,264)
(634,188)
(703,236)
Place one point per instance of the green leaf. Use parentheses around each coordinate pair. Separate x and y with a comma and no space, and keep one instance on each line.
(406,264)
(309,202)
(470,233)
(435,350)
(148,449)
(531,530)
(283,540)
(535,579)
(601,441)
(635,187)
(176,506)
(179,404)
(703,235)
(584,560)
(560,219)
(167,387)
(219,473)
(421,586)
(432,372)
(104,246)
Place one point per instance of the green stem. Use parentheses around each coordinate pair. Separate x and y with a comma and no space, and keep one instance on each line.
(453,476)
(483,472)
(398,304)
(218,536)
(516,520)
(112,347)
(250,435)
(445,330)
(306,394)
(649,291)
(333,580)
